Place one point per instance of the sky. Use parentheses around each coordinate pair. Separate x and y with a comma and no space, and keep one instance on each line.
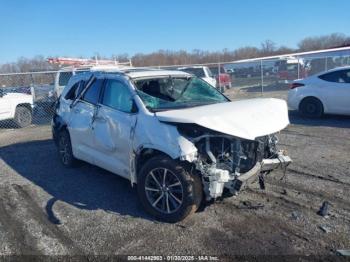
(106,27)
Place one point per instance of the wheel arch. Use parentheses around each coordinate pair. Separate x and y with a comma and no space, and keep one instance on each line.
(26,105)
(58,125)
(146,153)
(312,97)
(191,194)
(15,114)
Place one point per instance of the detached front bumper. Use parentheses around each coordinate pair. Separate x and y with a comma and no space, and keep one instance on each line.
(220,179)
(266,165)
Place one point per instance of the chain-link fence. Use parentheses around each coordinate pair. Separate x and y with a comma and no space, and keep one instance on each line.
(27,99)
(268,77)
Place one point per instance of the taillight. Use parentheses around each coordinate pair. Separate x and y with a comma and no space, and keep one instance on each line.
(295,85)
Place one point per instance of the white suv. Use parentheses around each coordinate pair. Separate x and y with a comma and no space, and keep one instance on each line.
(171,133)
(17,107)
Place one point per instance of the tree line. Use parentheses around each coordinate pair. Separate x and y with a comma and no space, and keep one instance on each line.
(170,57)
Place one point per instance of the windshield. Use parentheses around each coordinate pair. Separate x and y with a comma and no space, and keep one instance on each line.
(159,94)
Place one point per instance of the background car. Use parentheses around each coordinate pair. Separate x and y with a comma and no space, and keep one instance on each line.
(290,68)
(63,76)
(324,93)
(16,106)
(223,80)
(201,72)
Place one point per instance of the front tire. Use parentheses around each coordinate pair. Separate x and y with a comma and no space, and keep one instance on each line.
(311,107)
(168,190)
(23,116)
(65,149)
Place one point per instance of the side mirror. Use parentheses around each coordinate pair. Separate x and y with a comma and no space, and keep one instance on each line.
(134,108)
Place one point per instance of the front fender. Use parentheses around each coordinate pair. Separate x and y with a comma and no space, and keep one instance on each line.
(153,134)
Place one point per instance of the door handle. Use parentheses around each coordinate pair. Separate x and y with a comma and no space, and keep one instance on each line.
(76,110)
(97,119)
(100,119)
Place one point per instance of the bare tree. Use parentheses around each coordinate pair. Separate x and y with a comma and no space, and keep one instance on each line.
(268,47)
(246,52)
(196,56)
(323,42)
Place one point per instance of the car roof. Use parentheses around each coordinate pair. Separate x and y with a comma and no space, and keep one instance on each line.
(317,75)
(95,68)
(154,73)
(336,69)
(134,72)
(215,66)
(189,67)
(143,72)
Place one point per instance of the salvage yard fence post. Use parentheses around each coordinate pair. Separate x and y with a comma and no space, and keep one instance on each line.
(262,77)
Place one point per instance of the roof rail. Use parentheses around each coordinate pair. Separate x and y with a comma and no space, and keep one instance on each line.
(71,61)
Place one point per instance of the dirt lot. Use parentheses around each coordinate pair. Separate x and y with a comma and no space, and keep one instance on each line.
(47,209)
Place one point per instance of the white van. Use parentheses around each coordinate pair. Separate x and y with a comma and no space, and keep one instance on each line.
(63,75)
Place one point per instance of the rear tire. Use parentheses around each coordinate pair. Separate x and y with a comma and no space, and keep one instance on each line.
(311,107)
(168,190)
(65,149)
(23,116)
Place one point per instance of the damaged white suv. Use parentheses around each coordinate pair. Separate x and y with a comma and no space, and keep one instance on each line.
(169,132)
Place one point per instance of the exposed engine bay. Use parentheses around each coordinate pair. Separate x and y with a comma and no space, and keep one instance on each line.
(226,161)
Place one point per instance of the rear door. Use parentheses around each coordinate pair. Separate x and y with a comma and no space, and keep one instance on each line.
(81,120)
(113,127)
(336,91)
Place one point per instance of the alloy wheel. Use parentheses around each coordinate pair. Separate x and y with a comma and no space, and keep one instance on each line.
(164,190)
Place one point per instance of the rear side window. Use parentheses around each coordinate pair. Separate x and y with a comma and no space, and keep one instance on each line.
(117,96)
(75,90)
(64,78)
(93,92)
(341,76)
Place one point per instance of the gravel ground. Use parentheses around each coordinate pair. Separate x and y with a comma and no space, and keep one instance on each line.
(46,209)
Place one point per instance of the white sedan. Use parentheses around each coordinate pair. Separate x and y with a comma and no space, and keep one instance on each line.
(324,93)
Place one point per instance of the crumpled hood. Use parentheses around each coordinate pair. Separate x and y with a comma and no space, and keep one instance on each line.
(247,119)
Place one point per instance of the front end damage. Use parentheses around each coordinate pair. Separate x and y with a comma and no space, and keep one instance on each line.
(228,162)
